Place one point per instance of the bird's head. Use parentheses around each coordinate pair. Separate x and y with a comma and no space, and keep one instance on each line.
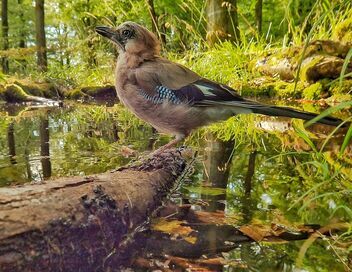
(132,38)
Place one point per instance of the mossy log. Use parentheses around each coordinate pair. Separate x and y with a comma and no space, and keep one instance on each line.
(15,93)
(106,92)
(82,223)
(41,89)
(322,59)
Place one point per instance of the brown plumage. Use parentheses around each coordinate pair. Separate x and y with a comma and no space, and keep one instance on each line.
(169,96)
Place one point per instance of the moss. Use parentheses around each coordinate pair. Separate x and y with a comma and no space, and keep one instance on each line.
(75,94)
(308,66)
(2,92)
(41,89)
(293,52)
(313,91)
(281,87)
(14,93)
(291,92)
(345,88)
(343,31)
(337,98)
(95,92)
(311,107)
(263,86)
(100,91)
(254,91)
(269,87)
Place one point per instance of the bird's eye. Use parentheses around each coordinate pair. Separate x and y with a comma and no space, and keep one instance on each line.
(126,33)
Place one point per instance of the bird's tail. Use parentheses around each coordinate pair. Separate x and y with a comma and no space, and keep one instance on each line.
(248,106)
(289,112)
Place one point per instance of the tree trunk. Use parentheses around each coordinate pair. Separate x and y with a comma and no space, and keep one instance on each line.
(222,21)
(154,20)
(11,143)
(45,147)
(152,13)
(217,161)
(66,45)
(5,34)
(250,173)
(40,36)
(91,58)
(234,29)
(82,223)
(259,15)
(22,41)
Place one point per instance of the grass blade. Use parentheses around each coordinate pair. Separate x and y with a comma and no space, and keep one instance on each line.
(328,112)
(303,134)
(346,140)
(344,67)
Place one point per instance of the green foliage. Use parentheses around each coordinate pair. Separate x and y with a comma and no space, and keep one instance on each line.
(343,30)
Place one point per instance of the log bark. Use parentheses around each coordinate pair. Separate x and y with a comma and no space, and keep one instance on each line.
(82,223)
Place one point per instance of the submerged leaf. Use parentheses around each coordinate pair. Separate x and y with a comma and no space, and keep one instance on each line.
(175,228)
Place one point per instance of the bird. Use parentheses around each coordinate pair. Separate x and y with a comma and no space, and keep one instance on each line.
(172,98)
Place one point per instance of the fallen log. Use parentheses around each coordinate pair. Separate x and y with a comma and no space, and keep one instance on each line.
(106,93)
(82,223)
(14,93)
(322,59)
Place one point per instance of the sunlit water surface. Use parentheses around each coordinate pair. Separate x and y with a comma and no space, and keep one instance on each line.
(251,180)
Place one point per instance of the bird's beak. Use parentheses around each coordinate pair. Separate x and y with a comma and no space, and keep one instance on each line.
(108,33)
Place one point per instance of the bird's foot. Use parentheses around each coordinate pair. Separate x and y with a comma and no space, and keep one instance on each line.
(165,147)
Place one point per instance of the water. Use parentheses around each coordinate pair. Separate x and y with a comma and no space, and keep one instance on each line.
(256,178)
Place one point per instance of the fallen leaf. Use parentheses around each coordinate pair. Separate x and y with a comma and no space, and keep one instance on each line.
(175,228)
(260,231)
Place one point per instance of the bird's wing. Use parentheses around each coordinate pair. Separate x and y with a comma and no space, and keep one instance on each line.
(163,80)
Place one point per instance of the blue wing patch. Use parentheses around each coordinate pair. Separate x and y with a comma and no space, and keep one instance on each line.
(162,94)
(199,93)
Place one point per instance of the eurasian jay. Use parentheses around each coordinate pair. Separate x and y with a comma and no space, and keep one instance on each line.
(169,96)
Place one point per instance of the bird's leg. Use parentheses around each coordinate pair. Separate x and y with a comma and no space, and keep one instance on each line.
(170,144)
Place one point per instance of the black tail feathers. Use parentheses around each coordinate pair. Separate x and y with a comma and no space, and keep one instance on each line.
(289,112)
